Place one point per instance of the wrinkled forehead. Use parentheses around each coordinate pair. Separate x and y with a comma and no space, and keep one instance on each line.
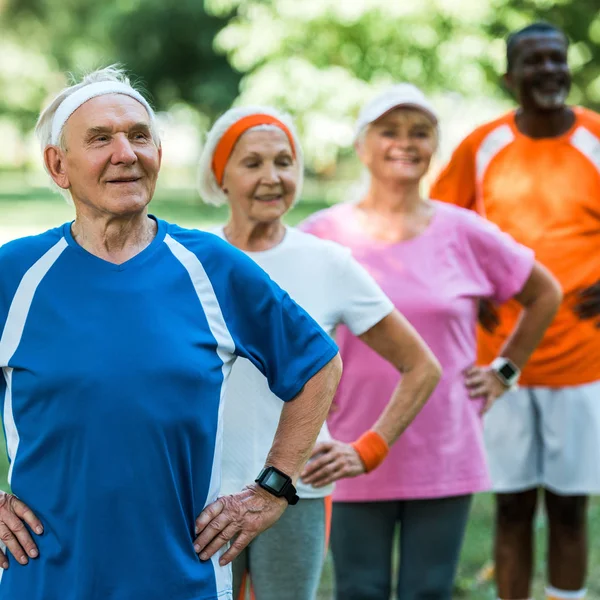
(536,42)
(109,111)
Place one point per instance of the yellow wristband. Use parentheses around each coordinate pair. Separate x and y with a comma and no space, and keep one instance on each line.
(372,449)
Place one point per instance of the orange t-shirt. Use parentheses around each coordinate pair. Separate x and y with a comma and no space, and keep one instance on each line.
(546,194)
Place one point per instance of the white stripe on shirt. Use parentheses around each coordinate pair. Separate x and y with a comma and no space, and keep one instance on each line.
(225,350)
(588,144)
(12,334)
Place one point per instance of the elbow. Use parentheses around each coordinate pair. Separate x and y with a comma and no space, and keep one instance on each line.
(428,370)
(557,294)
(434,370)
(550,297)
(336,368)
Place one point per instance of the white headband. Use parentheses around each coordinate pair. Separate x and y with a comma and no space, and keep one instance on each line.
(72,102)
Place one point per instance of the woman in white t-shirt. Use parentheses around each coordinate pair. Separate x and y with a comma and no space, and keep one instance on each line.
(252,160)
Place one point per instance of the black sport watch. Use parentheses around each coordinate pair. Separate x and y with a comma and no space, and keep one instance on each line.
(279,484)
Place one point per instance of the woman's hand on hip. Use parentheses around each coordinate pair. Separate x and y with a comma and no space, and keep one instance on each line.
(14,515)
(238,519)
(331,461)
(483,383)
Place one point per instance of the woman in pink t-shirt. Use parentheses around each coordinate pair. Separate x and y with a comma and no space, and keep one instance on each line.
(434,261)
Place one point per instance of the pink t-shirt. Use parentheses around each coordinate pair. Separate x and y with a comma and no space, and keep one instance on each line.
(434,280)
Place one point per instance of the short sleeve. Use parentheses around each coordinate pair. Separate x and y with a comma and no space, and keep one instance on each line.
(456,184)
(364,302)
(504,263)
(267,326)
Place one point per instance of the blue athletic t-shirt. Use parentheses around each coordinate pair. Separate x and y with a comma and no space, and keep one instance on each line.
(113,379)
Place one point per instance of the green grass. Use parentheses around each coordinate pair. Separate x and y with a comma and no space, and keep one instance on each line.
(27,209)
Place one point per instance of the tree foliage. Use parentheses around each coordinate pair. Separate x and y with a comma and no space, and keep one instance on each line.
(168,45)
(324,57)
(319,59)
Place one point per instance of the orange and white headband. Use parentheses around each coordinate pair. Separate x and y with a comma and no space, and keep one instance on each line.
(73,101)
(232,135)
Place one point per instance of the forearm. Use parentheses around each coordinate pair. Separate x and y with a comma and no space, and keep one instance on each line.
(408,398)
(396,340)
(301,420)
(535,318)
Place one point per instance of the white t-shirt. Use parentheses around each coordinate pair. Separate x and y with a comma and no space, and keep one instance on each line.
(323,278)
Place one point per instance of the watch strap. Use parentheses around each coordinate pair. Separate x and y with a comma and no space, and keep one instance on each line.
(287,490)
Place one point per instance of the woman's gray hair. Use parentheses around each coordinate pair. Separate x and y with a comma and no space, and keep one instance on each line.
(208,187)
(43,128)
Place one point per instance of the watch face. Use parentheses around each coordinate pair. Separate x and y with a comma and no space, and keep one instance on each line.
(507,371)
(275,481)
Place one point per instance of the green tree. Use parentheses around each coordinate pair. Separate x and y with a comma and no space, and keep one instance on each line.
(323,58)
(169,45)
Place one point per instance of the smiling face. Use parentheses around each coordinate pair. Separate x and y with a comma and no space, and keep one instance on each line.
(111,163)
(399,145)
(261,175)
(539,74)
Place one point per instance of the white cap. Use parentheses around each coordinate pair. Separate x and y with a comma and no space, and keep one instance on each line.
(402,94)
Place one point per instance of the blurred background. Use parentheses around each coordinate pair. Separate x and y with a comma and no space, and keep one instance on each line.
(317,59)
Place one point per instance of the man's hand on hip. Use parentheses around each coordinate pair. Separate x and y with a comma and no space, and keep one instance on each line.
(14,514)
(238,519)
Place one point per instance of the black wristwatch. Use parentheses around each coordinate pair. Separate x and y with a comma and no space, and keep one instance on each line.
(279,484)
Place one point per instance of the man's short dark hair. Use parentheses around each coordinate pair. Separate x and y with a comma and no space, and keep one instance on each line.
(539,27)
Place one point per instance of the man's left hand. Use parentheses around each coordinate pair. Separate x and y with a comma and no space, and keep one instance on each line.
(238,518)
(588,305)
(483,383)
(331,461)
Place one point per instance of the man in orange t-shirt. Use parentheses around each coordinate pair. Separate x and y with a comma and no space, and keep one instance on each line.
(535,172)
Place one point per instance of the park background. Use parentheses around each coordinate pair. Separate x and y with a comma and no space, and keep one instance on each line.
(317,59)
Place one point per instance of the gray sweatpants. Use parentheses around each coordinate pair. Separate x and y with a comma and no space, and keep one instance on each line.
(285,562)
(431,535)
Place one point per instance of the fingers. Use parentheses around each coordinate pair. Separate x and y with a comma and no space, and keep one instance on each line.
(212,511)
(22,534)
(240,542)
(3,560)
(223,537)
(210,532)
(26,514)
(328,476)
(12,544)
(476,390)
(475,381)
(327,473)
(314,466)
(321,448)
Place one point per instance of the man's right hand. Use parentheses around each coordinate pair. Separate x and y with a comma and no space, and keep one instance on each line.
(14,514)
(488,315)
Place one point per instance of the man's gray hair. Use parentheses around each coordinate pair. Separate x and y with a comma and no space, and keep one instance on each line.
(208,187)
(43,128)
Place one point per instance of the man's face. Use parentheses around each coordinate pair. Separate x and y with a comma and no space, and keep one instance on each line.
(540,76)
(111,162)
